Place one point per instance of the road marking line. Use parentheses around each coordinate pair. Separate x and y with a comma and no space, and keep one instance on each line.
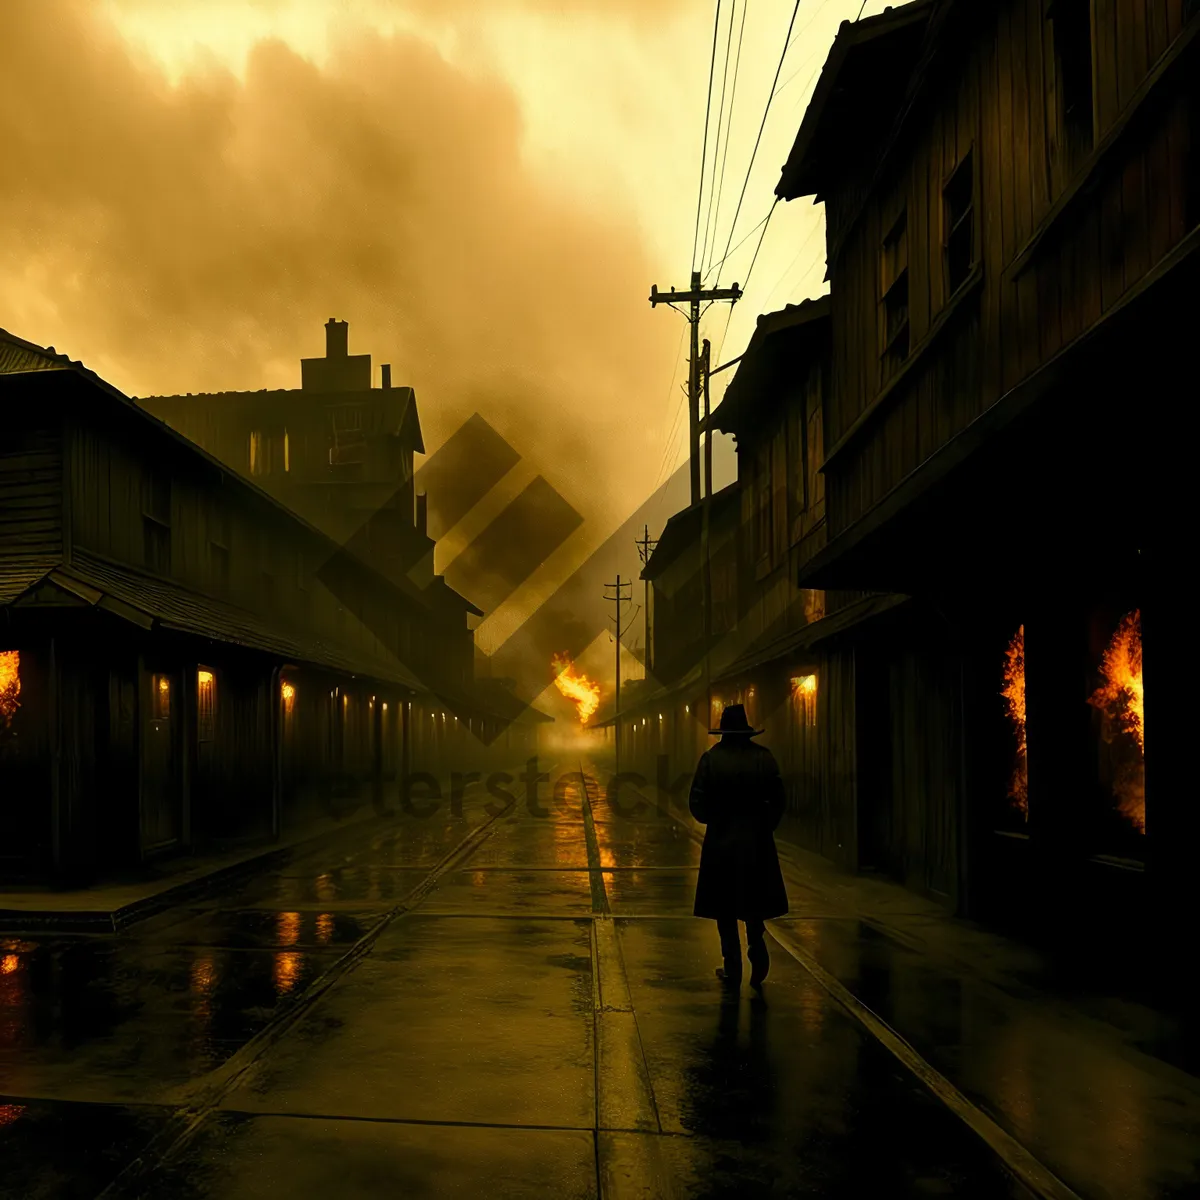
(1028,1170)
(1038,1178)
(198,1101)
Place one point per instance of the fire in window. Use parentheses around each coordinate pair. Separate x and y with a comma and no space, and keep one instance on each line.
(1118,702)
(160,697)
(804,697)
(287,693)
(206,705)
(1014,703)
(10,686)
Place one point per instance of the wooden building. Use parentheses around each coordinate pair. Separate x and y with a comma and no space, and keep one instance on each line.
(336,450)
(1012,192)
(784,651)
(183,660)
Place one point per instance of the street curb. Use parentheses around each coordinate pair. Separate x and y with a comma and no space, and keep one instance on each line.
(99,921)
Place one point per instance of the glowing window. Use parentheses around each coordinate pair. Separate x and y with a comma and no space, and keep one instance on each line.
(10,685)
(206,705)
(257,465)
(804,695)
(160,697)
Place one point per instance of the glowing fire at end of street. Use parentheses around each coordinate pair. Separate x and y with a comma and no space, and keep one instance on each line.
(1014,700)
(10,684)
(576,687)
(1120,699)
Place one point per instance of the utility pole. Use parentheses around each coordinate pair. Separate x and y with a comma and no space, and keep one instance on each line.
(620,598)
(646,547)
(694,297)
(705,516)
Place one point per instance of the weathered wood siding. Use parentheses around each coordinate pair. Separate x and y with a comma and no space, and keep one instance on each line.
(31,501)
(1024,301)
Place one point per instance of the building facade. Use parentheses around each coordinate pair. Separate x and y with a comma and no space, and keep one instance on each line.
(183,660)
(1012,265)
(1012,192)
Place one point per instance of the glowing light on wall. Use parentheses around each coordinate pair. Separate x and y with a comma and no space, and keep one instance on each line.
(160,697)
(10,685)
(804,694)
(206,705)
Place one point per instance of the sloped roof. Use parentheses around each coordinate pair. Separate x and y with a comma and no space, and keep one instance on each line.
(150,601)
(683,530)
(402,406)
(775,336)
(24,358)
(861,85)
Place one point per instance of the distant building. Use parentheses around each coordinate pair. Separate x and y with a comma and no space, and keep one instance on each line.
(336,450)
(184,660)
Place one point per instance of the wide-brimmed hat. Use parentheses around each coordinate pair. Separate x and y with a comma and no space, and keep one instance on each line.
(733,720)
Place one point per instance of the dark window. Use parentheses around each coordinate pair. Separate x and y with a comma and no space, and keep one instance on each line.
(1072,22)
(763,502)
(814,441)
(156,523)
(959,207)
(894,285)
(779,497)
(270,453)
(218,550)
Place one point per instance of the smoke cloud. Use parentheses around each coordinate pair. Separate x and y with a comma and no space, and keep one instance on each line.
(196,236)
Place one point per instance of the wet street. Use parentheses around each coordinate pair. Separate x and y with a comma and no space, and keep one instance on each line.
(509,1005)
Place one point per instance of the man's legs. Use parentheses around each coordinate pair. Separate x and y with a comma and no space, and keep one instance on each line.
(731,948)
(756,951)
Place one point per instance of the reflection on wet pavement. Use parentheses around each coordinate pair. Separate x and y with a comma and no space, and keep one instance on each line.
(56,1150)
(1087,1115)
(474,1040)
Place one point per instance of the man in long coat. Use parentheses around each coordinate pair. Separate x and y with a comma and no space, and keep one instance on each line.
(738,793)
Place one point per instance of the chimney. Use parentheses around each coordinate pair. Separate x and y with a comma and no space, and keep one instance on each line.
(336,338)
(422,514)
(386,371)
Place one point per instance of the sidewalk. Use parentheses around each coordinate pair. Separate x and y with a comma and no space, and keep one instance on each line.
(108,907)
(1100,1090)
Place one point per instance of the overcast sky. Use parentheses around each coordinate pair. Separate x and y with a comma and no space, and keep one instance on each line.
(485,190)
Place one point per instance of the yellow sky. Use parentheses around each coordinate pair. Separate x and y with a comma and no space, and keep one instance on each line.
(486,190)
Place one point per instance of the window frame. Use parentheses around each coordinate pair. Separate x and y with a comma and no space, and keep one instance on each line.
(965,224)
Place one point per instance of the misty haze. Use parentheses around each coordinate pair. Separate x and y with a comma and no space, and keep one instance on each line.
(575,577)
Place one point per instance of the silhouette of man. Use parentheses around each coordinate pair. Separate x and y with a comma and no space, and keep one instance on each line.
(738,793)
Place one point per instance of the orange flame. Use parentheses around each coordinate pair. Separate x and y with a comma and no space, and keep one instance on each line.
(576,687)
(1121,701)
(1014,700)
(10,685)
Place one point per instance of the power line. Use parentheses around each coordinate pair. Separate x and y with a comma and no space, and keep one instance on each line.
(712,187)
(766,222)
(704,148)
(728,124)
(670,391)
(761,127)
(741,243)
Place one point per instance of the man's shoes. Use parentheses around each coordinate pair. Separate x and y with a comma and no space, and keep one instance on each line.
(760,964)
(727,979)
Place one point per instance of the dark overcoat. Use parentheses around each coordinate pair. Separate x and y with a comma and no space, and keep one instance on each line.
(738,794)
